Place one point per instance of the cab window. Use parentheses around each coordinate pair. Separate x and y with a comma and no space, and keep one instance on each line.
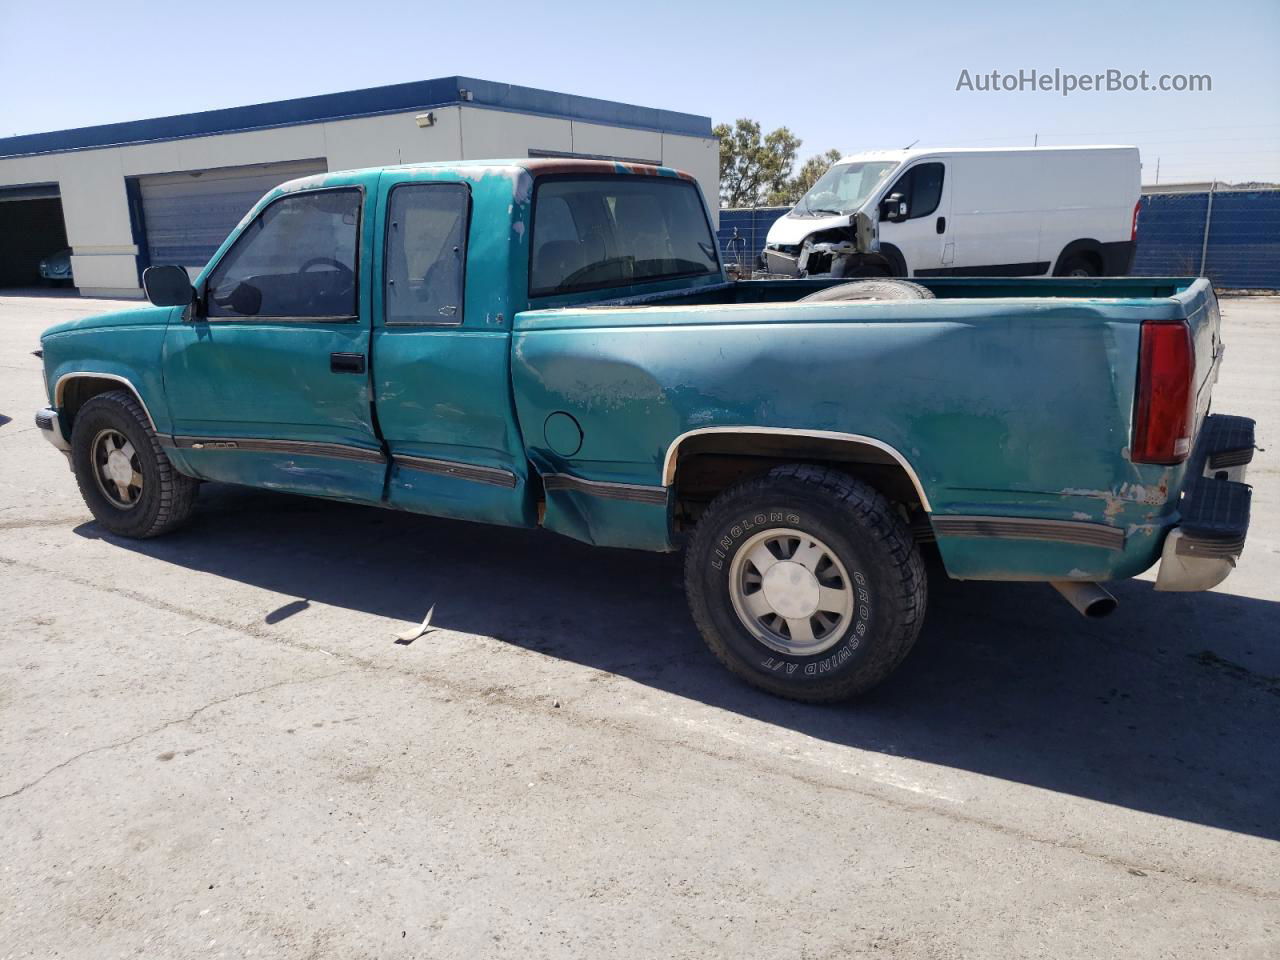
(426,253)
(591,233)
(296,260)
(921,187)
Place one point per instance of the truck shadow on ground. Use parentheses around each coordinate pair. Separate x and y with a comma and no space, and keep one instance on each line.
(1166,707)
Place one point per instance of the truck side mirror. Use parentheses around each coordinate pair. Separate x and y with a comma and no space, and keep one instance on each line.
(168,286)
(245,299)
(893,208)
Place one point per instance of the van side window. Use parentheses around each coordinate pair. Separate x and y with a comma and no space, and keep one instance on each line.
(297,259)
(921,187)
(426,253)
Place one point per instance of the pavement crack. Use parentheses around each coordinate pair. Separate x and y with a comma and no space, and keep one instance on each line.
(177,721)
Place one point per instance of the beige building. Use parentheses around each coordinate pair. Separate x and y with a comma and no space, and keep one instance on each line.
(123,196)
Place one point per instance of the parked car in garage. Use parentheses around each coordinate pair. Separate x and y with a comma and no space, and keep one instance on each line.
(554,343)
(1064,211)
(56,267)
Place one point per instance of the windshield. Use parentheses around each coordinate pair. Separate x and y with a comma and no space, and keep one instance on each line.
(844,188)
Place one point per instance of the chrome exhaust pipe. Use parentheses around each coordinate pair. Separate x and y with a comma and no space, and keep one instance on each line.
(1089,598)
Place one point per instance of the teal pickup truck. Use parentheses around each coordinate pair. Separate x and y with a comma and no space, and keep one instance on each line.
(554,342)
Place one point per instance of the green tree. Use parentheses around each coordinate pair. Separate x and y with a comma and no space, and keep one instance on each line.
(754,167)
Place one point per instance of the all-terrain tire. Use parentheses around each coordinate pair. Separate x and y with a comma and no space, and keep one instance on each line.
(166,498)
(872,543)
(877,289)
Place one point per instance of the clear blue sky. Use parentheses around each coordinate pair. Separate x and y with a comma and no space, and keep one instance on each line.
(839,74)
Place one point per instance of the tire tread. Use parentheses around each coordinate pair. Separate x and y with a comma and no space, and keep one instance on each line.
(877,518)
(176,492)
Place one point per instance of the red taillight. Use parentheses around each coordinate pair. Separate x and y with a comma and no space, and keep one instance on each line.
(1165,408)
(1133,228)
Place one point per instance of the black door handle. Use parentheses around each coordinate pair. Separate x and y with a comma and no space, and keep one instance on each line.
(942,225)
(346,363)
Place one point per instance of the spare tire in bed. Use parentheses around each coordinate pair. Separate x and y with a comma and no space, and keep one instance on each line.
(870,290)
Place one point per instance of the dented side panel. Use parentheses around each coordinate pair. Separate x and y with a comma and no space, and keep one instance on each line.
(1018,408)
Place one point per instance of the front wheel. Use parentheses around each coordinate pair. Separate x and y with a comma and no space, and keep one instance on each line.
(805,583)
(124,476)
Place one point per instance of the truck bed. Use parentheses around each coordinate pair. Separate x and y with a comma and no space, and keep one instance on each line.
(943,288)
(1008,398)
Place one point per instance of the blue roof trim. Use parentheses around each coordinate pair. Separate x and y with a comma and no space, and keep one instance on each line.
(397,98)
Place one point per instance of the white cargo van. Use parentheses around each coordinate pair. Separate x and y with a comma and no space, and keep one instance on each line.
(1065,211)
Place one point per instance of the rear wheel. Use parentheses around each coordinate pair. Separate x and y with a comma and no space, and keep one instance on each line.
(1079,265)
(806,583)
(124,476)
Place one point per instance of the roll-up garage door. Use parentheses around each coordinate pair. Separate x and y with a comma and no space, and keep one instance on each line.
(186,216)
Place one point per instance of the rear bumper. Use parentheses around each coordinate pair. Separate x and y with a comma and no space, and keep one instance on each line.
(1202,550)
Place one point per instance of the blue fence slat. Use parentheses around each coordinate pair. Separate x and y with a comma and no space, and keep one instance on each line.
(743,232)
(1170,232)
(1244,240)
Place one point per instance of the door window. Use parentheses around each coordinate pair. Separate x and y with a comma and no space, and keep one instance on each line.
(921,187)
(426,253)
(296,260)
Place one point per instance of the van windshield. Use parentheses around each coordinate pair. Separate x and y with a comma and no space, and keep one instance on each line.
(843,188)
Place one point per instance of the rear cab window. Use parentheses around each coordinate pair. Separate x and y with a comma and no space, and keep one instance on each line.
(426,253)
(597,232)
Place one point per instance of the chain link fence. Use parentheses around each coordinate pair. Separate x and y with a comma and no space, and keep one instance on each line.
(1229,234)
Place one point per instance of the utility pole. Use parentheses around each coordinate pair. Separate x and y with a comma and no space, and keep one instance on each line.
(1036,141)
(1157,171)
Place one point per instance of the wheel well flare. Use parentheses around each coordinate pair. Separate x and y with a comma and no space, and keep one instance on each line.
(74,390)
(701,460)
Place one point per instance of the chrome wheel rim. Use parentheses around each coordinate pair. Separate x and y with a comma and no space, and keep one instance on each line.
(791,591)
(116,469)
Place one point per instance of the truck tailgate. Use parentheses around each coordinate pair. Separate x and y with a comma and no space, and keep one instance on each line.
(1205,321)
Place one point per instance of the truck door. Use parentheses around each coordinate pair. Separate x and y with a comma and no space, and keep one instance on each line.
(923,235)
(441,364)
(266,377)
